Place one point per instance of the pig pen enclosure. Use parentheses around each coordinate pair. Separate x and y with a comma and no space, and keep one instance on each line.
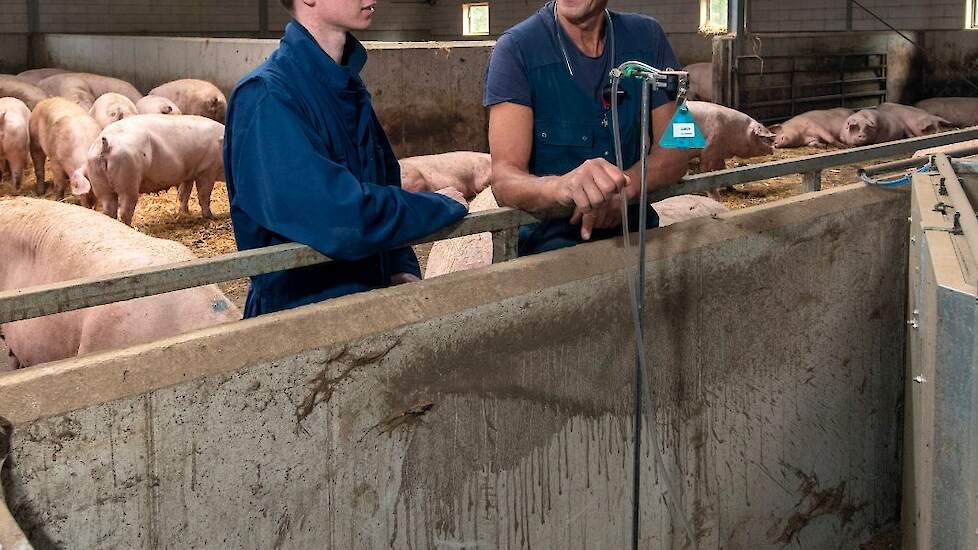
(491,408)
(488,408)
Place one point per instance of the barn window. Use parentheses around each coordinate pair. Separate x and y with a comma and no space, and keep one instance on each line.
(475,19)
(713,16)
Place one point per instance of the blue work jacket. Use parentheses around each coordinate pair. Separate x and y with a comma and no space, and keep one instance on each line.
(571,126)
(307,161)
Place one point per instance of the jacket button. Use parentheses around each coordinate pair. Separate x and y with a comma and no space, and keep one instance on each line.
(543,135)
(583,138)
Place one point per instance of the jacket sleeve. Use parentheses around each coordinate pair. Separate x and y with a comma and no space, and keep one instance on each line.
(404,260)
(286,182)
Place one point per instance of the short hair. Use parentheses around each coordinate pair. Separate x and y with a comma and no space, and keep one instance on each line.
(287,4)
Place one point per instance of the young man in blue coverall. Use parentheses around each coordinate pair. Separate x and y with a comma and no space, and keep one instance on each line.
(547,88)
(307,161)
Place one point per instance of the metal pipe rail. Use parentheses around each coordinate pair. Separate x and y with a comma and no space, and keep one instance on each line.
(26,303)
(812,164)
(906,164)
(36,301)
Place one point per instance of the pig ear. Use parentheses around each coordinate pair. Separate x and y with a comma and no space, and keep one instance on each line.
(775,128)
(759,130)
(79,182)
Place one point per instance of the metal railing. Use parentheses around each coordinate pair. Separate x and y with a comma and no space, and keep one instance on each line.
(26,303)
(797,83)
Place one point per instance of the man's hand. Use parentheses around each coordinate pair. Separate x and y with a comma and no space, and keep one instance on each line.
(589,186)
(455,195)
(403,278)
(605,217)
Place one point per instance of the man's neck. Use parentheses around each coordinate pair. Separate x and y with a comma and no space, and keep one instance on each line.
(331,39)
(587,35)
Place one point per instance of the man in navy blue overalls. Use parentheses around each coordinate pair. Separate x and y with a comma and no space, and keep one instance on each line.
(549,121)
(307,161)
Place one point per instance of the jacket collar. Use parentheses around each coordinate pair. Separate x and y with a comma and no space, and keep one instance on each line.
(310,57)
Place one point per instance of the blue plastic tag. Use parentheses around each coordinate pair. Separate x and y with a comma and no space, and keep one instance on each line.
(683,132)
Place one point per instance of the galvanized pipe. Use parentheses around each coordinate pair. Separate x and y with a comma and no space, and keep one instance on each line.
(36,301)
(75,294)
(906,164)
(701,183)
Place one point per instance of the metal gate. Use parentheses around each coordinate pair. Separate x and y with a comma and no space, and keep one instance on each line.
(775,88)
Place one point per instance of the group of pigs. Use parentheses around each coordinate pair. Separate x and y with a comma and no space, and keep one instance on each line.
(108,141)
(840,126)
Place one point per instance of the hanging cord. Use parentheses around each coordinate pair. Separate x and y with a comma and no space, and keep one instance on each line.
(636,295)
(923,50)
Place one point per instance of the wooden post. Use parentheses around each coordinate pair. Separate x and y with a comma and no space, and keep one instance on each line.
(724,72)
(812,181)
(504,245)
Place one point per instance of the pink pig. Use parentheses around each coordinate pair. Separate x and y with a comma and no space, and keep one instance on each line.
(28,93)
(112,107)
(870,126)
(156,105)
(466,171)
(62,133)
(916,122)
(15,139)
(959,111)
(194,97)
(813,129)
(44,242)
(700,81)
(34,76)
(151,153)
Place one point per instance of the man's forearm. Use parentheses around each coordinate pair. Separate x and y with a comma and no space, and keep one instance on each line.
(665,168)
(534,194)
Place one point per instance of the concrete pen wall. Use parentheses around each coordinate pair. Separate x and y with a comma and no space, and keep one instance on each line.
(492,408)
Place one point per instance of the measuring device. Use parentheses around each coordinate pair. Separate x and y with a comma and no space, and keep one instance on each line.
(682,133)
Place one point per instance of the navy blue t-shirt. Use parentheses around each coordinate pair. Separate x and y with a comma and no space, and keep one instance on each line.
(507,81)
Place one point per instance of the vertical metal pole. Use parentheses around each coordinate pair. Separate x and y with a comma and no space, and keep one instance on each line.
(849,15)
(33,28)
(262,18)
(640,296)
